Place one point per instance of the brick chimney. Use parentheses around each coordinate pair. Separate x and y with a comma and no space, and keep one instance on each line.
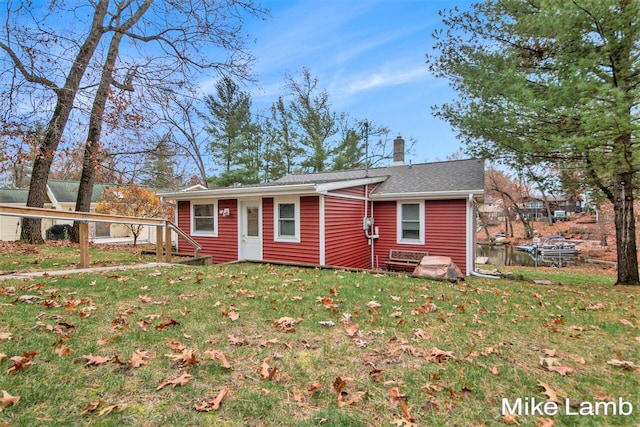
(398,151)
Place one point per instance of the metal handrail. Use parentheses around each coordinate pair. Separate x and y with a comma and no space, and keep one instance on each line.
(197,248)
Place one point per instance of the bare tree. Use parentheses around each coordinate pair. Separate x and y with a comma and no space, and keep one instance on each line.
(27,59)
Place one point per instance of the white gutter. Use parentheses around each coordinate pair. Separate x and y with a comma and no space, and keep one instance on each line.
(238,192)
(427,195)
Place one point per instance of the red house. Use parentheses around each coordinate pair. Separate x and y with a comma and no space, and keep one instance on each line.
(347,218)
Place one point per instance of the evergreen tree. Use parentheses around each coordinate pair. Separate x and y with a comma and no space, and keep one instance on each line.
(556,82)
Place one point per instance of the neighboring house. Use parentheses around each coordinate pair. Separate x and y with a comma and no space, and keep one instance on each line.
(62,195)
(347,218)
(10,225)
(562,207)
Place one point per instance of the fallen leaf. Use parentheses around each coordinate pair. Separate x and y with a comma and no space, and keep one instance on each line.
(91,406)
(545,422)
(109,409)
(96,360)
(63,350)
(5,335)
(510,419)
(139,358)
(213,404)
(234,340)
(552,396)
(624,364)
(167,323)
(286,324)
(339,384)
(182,380)
(438,356)
(314,387)
(218,355)
(186,359)
(562,370)
(20,362)
(268,372)
(7,400)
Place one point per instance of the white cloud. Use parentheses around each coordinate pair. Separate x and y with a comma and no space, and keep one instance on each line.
(388,78)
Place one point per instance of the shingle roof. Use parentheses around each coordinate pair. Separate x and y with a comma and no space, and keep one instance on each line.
(449,176)
(67,191)
(13,195)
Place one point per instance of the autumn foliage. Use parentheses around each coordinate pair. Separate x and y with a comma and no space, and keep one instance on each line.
(134,201)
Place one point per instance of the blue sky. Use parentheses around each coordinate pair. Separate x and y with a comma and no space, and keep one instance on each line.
(368,54)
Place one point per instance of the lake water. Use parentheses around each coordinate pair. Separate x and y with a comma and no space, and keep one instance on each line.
(507,255)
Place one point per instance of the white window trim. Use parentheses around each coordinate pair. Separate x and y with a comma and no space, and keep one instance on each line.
(195,232)
(276,219)
(399,238)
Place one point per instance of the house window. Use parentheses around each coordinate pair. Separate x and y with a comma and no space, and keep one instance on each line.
(411,222)
(204,220)
(287,220)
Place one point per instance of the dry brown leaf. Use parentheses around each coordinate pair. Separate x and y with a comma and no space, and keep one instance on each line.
(109,409)
(91,406)
(314,387)
(63,350)
(438,356)
(2,356)
(213,404)
(300,399)
(234,340)
(286,324)
(103,341)
(139,358)
(510,419)
(5,335)
(562,370)
(7,400)
(624,364)
(268,372)
(338,385)
(182,380)
(545,422)
(218,355)
(351,329)
(419,333)
(96,360)
(184,360)
(19,363)
(552,396)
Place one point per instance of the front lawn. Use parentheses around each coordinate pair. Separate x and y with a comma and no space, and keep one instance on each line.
(261,345)
(17,256)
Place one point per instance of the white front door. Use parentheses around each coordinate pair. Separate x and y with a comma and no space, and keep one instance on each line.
(250,231)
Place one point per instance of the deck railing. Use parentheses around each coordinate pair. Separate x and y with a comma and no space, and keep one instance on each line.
(83,219)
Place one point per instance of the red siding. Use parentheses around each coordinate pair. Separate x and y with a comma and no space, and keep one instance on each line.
(224,247)
(445,230)
(345,242)
(308,249)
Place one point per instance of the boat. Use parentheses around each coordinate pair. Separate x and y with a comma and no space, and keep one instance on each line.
(558,248)
(531,248)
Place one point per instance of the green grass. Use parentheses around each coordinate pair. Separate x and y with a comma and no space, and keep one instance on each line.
(63,255)
(496,330)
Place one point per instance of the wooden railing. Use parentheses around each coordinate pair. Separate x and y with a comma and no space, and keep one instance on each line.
(83,219)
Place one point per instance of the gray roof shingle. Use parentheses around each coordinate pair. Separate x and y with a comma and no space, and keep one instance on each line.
(449,176)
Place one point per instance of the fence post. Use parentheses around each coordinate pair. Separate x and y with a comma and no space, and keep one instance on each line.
(83,228)
(167,242)
(159,245)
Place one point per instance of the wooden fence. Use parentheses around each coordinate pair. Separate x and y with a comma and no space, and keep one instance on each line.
(163,227)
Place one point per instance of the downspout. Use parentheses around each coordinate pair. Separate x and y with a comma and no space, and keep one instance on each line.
(472,231)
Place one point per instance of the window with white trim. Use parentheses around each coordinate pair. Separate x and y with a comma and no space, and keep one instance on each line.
(286,220)
(204,219)
(411,222)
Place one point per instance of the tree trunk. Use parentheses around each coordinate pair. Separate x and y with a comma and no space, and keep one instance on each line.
(31,227)
(625,231)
